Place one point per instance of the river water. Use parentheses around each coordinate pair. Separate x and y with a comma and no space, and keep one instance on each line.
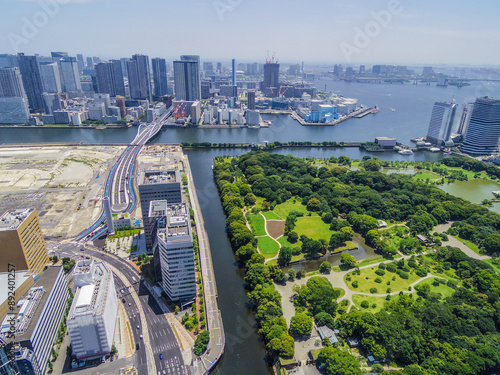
(404,114)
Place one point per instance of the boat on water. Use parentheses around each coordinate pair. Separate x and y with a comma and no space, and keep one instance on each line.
(268,122)
(375,109)
(392,109)
(406,152)
(253,126)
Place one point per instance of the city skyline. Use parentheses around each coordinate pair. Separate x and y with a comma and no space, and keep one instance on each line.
(350,33)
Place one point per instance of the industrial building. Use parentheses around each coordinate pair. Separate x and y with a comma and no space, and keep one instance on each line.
(174,243)
(92,316)
(38,315)
(155,185)
(22,241)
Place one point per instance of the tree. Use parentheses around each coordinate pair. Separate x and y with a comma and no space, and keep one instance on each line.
(201,343)
(492,243)
(324,319)
(336,362)
(348,260)
(301,324)
(325,267)
(293,236)
(314,204)
(285,256)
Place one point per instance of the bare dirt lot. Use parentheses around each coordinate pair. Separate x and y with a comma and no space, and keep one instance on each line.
(62,182)
(275,228)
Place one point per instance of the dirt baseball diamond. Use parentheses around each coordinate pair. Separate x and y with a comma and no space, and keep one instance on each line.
(275,228)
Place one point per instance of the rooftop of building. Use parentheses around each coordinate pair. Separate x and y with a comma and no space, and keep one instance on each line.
(11,220)
(91,297)
(160,176)
(30,306)
(178,226)
(21,277)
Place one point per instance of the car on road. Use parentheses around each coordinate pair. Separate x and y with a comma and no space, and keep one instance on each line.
(137,327)
(161,356)
(140,337)
(137,346)
(123,300)
(129,304)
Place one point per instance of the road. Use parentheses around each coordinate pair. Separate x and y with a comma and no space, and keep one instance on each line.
(214,319)
(119,181)
(154,325)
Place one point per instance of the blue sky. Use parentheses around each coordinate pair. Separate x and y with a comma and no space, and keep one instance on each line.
(332,31)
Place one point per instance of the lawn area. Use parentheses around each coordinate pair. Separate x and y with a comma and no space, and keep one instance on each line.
(270,215)
(470,245)
(284,242)
(379,301)
(376,259)
(367,278)
(427,175)
(443,289)
(313,227)
(267,246)
(283,209)
(258,223)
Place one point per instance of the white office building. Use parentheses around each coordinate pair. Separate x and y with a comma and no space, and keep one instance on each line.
(483,133)
(92,317)
(174,240)
(441,123)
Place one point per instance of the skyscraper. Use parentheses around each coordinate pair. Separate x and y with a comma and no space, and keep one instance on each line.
(13,101)
(441,122)
(233,72)
(175,249)
(160,77)
(51,78)
(79,61)
(11,83)
(22,241)
(271,75)
(90,63)
(70,77)
(109,76)
(56,56)
(483,132)
(187,78)
(465,118)
(32,81)
(139,78)
(251,99)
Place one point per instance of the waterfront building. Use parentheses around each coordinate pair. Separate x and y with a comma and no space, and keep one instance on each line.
(109,77)
(483,133)
(32,81)
(156,185)
(38,316)
(160,77)
(22,241)
(441,123)
(70,76)
(251,99)
(463,124)
(173,242)
(51,78)
(187,78)
(139,78)
(120,103)
(92,317)
(11,84)
(271,75)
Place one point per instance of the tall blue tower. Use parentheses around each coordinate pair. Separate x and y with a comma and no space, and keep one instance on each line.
(234,72)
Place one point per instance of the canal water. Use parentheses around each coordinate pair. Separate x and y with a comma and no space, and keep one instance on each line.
(404,114)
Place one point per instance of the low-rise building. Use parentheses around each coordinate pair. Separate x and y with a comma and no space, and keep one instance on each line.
(92,317)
